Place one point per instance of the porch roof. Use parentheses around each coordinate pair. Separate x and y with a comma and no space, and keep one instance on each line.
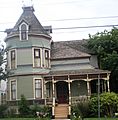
(77,74)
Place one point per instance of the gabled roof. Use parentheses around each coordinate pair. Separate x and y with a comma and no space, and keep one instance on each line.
(29,17)
(69,49)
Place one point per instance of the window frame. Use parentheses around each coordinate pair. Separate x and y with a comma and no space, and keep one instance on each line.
(35,57)
(38,89)
(13,92)
(47,58)
(13,58)
(21,32)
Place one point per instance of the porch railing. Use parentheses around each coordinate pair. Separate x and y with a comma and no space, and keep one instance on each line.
(77,99)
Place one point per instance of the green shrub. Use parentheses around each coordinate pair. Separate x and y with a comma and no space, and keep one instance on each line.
(23,107)
(108,104)
(93,106)
(11,113)
(44,111)
(81,109)
(3,109)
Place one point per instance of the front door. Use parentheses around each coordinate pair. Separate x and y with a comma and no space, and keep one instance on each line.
(62,92)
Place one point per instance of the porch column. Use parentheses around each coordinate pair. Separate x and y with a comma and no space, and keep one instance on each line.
(108,85)
(45,92)
(88,86)
(53,99)
(69,89)
(108,82)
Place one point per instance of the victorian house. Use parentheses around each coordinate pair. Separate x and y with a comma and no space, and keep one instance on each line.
(58,74)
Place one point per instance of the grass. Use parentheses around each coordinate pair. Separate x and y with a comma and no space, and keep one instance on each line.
(49,119)
(24,119)
(101,119)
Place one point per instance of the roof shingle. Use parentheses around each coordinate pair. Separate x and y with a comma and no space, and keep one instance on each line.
(69,49)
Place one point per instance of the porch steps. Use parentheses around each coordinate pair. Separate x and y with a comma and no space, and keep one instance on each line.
(61,111)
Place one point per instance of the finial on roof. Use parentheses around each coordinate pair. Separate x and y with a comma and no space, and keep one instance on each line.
(27,5)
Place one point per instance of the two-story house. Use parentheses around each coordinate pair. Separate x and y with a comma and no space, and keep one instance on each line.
(46,72)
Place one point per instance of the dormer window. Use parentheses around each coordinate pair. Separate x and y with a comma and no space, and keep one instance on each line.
(23,31)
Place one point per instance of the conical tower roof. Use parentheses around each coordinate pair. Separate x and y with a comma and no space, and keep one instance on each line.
(31,20)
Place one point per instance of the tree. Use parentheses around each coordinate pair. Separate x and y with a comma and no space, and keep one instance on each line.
(105,45)
(3,73)
(23,106)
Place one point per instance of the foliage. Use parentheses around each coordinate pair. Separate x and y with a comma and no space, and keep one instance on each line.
(24,107)
(108,104)
(11,113)
(49,119)
(44,111)
(3,73)
(3,109)
(81,109)
(105,45)
(93,106)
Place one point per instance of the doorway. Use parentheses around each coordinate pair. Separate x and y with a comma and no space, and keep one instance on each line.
(62,92)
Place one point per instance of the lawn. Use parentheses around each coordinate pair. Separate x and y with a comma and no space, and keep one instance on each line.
(49,119)
(18,119)
(23,119)
(101,119)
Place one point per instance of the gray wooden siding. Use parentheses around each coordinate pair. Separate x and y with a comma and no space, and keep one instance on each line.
(24,56)
(71,64)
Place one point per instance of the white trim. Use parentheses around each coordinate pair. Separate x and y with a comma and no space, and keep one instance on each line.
(10,88)
(40,55)
(9,58)
(34,87)
(23,23)
(45,58)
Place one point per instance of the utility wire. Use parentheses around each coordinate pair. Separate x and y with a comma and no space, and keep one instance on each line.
(84,27)
(64,28)
(106,17)
(84,18)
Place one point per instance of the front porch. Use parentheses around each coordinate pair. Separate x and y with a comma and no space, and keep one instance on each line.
(70,87)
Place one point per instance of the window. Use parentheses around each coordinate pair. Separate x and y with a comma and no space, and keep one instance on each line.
(13,59)
(47,60)
(38,88)
(37,58)
(23,31)
(13,90)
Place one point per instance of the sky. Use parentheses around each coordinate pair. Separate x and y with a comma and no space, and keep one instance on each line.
(63,14)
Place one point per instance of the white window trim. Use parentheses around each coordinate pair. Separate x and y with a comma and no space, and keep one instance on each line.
(10,88)
(45,58)
(42,96)
(40,55)
(27,27)
(10,58)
